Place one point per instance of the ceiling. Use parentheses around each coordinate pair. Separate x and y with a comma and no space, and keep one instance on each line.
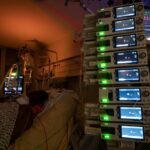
(22,21)
(43,21)
(46,21)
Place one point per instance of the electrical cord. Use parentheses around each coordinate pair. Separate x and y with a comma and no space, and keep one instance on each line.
(81,78)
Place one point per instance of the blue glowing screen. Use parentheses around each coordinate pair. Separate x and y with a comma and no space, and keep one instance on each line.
(132,132)
(133,113)
(128,94)
(125,41)
(124,25)
(125,11)
(14,85)
(129,57)
(124,75)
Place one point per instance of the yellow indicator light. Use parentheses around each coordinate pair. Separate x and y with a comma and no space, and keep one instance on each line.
(102,9)
(13,73)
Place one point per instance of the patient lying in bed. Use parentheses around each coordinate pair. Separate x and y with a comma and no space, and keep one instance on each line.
(52,125)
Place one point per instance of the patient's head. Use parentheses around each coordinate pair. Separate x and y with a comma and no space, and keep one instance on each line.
(37,100)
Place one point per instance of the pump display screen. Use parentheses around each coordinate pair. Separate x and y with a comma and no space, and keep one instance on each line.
(126,11)
(124,25)
(125,94)
(13,85)
(133,113)
(125,41)
(127,75)
(129,57)
(132,132)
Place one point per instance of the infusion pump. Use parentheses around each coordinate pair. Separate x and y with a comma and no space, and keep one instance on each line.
(123,11)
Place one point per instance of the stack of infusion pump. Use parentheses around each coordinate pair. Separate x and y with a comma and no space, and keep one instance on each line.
(116,58)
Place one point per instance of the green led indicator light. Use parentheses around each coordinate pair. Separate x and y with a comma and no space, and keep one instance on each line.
(105,118)
(105,100)
(106,136)
(102,49)
(104,81)
(103,65)
(102,33)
